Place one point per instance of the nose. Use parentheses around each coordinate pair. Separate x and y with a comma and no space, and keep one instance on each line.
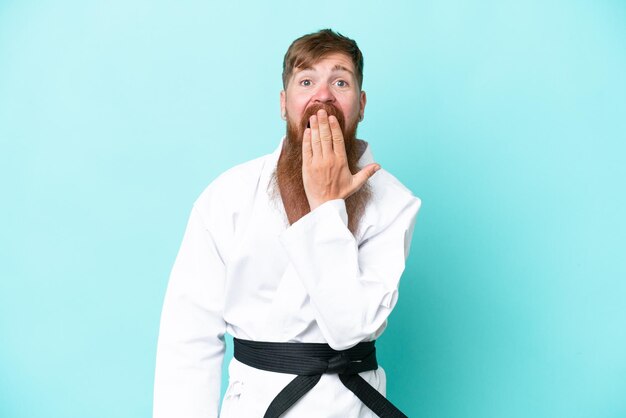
(323,94)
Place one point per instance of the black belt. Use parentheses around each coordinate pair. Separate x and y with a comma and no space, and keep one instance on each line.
(309,361)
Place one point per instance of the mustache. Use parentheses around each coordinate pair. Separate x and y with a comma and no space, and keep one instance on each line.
(330,109)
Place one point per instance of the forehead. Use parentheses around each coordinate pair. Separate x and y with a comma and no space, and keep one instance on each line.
(332,62)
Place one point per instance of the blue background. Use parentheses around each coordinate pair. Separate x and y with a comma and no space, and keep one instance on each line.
(507,118)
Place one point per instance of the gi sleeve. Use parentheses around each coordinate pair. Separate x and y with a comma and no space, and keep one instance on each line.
(191,343)
(352,288)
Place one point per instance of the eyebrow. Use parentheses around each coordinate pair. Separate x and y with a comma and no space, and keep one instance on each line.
(341,68)
(337,67)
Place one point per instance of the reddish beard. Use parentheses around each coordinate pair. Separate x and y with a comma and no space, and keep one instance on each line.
(288,175)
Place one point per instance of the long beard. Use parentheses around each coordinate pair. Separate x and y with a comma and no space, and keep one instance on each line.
(288,174)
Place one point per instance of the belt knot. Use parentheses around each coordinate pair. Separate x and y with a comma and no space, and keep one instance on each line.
(309,361)
(338,364)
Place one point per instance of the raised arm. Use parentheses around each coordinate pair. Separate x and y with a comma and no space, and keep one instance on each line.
(352,288)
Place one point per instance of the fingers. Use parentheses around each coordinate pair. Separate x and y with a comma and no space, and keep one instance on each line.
(325,135)
(307,151)
(326,131)
(316,145)
(339,146)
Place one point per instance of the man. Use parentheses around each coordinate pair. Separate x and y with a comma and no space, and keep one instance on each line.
(304,245)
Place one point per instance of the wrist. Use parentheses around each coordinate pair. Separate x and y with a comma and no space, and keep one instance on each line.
(314,204)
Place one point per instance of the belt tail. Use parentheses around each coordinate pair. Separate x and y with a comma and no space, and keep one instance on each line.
(290,394)
(372,398)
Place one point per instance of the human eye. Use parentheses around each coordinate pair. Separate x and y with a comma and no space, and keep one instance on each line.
(341,83)
(306,82)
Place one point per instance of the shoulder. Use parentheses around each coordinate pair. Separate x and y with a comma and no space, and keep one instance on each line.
(387,191)
(385,186)
(391,204)
(230,191)
(229,182)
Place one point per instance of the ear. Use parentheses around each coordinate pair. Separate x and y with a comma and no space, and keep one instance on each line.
(362,102)
(283,108)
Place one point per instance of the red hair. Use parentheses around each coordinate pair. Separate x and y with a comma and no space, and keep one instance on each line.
(307,50)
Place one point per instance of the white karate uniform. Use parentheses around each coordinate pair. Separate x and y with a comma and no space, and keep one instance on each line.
(243,270)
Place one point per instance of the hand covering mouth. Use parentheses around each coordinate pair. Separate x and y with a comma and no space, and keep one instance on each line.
(330,110)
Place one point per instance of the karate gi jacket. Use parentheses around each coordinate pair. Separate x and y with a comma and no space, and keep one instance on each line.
(242,269)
